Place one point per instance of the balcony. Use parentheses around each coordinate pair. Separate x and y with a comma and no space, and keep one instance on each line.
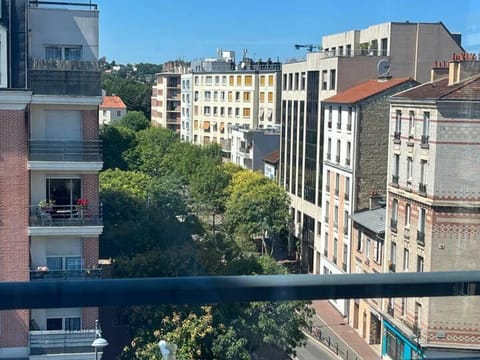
(53,150)
(336,192)
(347,161)
(393,225)
(64,77)
(344,267)
(392,267)
(327,188)
(422,189)
(420,238)
(390,310)
(325,253)
(66,274)
(329,124)
(334,258)
(329,156)
(346,196)
(424,142)
(43,342)
(244,150)
(339,126)
(395,179)
(337,158)
(59,216)
(396,136)
(326,219)
(345,230)
(349,126)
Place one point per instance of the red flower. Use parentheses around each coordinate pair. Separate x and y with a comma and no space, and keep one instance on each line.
(82,202)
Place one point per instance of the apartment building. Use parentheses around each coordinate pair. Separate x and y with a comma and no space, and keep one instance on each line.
(51,155)
(354,163)
(433,211)
(227,96)
(249,147)
(186,106)
(166,101)
(347,59)
(112,109)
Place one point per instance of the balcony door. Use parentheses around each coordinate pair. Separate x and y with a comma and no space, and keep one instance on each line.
(64,192)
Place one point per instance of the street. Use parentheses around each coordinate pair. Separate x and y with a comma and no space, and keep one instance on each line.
(314,351)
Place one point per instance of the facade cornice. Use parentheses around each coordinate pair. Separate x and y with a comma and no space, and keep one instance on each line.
(15,99)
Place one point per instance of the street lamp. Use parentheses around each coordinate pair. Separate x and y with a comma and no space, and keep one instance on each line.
(99,342)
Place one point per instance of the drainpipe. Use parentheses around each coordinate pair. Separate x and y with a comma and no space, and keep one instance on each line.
(416,52)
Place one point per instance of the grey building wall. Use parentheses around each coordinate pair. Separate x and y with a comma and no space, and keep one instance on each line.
(264,144)
(372,150)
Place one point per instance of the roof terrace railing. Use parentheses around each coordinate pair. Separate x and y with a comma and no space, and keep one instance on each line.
(233,289)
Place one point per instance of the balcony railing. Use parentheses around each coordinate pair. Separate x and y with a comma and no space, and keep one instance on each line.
(390,310)
(327,188)
(329,124)
(339,126)
(329,156)
(420,238)
(346,196)
(424,141)
(336,191)
(334,258)
(347,161)
(65,215)
(46,274)
(422,189)
(345,230)
(337,158)
(55,341)
(396,136)
(325,253)
(64,77)
(57,150)
(395,179)
(393,225)
(349,126)
(344,267)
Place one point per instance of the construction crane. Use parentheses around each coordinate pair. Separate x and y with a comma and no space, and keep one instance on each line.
(309,47)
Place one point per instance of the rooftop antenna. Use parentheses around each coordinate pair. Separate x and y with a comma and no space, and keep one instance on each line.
(309,47)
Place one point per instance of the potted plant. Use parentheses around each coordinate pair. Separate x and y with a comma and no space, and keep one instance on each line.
(46,204)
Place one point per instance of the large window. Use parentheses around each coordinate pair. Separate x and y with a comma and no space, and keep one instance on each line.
(67,323)
(56,52)
(63,191)
(394,346)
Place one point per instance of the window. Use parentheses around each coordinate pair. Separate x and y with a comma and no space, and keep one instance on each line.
(393,255)
(423,176)
(367,248)
(303,78)
(420,263)
(118,113)
(68,323)
(425,128)
(270,80)
(231,80)
(217,80)
(325,248)
(239,80)
(262,96)
(64,262)
(406,259)
(327,211)
(378,251)
(262,80)
(215,95)
(208,80)
(237,95)
(411,124)
(230,111)
(345,222)
(409,170)
(296,81)
(327,182)
(246,96)
(347,155)
(335,217)
(394,219)
(270,97)
(206,110)
(246,112)
(359,241)
(398,125)
(329,148)
(337,183)
(339,122)
(224,79)
(335,250)
(345,257)
(408,211)
(349,50)
(215,111)
(349,119)
(230,96)
(237,112)
(248,80)
(396,169)
(340,51)
(63,52)
(347,188)
(339,144)
(207,95)
(63,191)
(333,75)
(324,79)
(330,114)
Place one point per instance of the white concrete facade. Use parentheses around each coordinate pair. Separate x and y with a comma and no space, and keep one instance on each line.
(186,116)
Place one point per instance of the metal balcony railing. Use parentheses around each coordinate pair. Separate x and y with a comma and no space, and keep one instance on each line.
(329,124)
(344,267)
(45,274)
(424,141)
(347,161)
(337,158)
(71,150)
(346,196)
(65,215)
(64,77)
(395,179)
(422,189)
(52,341)
(329,156)
(390,310)
(396,136)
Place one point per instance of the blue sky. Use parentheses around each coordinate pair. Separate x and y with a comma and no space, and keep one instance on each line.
(159,30)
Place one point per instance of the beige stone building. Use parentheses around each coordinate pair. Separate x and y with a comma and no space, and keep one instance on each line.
(347,59)
(166,101)
(433,210)
(222,100)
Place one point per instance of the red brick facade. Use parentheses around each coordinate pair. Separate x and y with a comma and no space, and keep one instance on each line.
(90,125)
(90,192)
(14,200)
(90,251)
(89,315)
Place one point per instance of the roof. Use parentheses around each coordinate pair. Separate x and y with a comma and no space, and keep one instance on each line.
(365,90)
(112,102)
(273,157)
(467,89)
(373,220)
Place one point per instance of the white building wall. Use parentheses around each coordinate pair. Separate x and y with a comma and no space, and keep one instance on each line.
(186,105)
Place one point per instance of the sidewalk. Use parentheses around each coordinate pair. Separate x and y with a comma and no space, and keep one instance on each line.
(339,336)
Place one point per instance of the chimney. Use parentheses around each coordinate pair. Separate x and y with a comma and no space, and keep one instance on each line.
(462,66)
(376,200)
(439,70)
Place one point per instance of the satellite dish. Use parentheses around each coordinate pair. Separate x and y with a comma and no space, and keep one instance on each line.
(383,68)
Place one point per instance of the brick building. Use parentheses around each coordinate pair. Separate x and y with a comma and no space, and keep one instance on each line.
(50,217)
(433,210)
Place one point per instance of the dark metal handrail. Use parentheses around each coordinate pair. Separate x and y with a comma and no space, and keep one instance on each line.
(231,289)
(95,273)
(65,150)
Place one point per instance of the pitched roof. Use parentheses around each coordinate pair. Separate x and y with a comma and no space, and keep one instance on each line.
(112,102)
(467,89)
(273,157)
(373,220)
(365,90)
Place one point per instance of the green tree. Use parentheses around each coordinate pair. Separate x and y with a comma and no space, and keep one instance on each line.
(256,208)
(117,141)
(134,120)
